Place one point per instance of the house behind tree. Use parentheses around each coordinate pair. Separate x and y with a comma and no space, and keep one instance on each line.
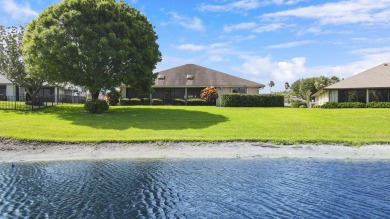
(188,80)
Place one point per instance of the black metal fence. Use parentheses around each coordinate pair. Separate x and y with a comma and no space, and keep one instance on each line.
(23,103)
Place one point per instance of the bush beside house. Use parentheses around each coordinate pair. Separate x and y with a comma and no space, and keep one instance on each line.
(258,100)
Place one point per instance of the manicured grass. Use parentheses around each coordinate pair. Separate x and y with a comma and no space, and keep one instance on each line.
(184,123)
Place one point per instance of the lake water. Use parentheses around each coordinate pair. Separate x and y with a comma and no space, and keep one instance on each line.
(201,188)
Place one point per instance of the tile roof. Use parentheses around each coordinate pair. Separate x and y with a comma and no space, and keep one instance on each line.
(201,77)
(377,77)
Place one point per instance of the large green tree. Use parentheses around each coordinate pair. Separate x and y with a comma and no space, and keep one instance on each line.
(96,44)
(11,61)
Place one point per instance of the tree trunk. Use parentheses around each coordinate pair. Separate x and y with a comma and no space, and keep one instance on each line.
(95,95)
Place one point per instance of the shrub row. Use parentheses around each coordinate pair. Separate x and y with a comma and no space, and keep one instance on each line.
(176,101)
(246,100)
(333,105)
(134,101)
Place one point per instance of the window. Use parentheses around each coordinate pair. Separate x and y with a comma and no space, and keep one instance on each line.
(380,95)
(239,90)
(3,90)
(352,96)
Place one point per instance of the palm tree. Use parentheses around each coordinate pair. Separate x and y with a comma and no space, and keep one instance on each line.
(286,86)
(271,84)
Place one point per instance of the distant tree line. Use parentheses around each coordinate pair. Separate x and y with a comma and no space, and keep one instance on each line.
(306,87)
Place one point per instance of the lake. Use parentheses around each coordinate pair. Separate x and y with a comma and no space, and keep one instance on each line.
(198,188)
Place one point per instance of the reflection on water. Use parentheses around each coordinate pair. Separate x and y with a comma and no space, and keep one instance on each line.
(220,188)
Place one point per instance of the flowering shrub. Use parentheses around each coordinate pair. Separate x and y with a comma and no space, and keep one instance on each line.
(209,94)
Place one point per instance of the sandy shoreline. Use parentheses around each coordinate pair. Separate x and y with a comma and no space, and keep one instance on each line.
(13,151)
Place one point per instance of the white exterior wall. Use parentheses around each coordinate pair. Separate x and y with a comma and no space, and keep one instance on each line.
(251,90)
(322,98)
(123,92)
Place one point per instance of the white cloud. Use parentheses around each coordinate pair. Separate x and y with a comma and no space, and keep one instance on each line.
(269,28)
(240,26)
(189,23)
(265,69)
(290,44)
(215,52)
(341,12)
(191,47)
(18,12)
(245,5)
(241,5)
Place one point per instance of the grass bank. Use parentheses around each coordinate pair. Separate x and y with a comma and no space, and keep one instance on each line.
(71,123)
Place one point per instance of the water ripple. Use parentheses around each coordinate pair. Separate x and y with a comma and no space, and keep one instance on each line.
(196,189)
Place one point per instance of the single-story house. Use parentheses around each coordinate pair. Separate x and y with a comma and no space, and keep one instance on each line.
(372,85)
(187,81)
(12,92)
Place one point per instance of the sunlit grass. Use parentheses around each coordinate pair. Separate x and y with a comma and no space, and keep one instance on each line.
(71,123)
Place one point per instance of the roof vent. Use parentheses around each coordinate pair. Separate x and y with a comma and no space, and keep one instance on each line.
(190,77)
(161,77)
(386,64)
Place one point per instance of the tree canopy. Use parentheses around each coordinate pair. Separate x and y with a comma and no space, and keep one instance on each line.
(11,61)
(96,44)
(308,86)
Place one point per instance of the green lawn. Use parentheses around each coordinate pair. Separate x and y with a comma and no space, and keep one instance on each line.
(175,123)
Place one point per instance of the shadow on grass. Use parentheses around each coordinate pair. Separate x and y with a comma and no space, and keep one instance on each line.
(141,118)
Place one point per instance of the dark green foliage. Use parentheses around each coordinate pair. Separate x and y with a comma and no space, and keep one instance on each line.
(96,44)
(145,101)
(37,101)
(96,106)
(378,105)
(198,102)
(179,102)
(157,102)
(113,97)
(332,105)
(245,100)
(298,103)
(351,105)
(135,101)
(124,102)
(303,106)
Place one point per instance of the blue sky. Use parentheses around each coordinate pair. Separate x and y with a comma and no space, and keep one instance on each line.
(260,40)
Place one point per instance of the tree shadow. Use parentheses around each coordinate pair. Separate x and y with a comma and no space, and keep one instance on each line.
(121,118)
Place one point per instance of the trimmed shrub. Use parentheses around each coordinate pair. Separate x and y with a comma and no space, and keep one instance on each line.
(378,105)
(330,105)
(145,101)
(124,102)
(247,100)
(298,104)
(96,106)
(156,102)
(135,101)
(113,97)
(198,102)
(351,105)
(37,101)
(179,102)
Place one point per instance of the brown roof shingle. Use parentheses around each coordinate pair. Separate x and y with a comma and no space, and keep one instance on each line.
(202,77)
(377,77)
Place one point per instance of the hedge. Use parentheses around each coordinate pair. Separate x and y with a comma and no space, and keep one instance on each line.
(333,105)
(199,102)
(157,102)
(179,102)
(247,100)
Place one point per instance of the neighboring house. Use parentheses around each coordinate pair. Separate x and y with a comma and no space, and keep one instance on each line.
(11,92)
(372,85)
(187,81)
